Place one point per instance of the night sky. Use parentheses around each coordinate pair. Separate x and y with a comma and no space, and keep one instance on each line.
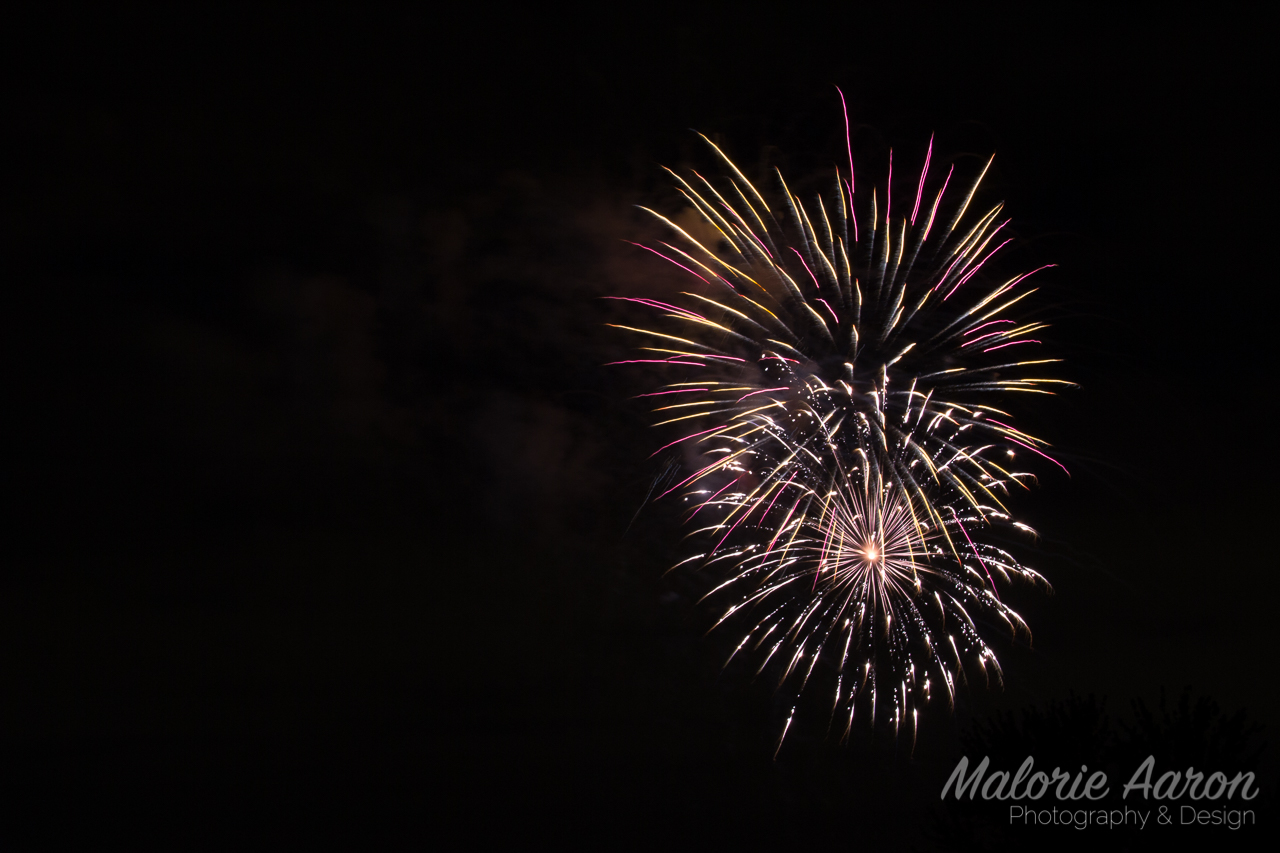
(323,514)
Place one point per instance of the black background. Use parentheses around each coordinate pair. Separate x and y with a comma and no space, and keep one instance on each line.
(319,493)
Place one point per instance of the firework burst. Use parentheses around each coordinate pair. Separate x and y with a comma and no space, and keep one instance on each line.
(833,370)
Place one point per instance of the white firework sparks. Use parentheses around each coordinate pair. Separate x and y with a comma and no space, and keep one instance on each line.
(835,368)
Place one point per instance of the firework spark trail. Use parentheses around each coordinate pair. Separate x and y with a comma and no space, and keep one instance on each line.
(853,368)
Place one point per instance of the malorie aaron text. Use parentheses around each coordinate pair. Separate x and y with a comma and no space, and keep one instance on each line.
(1025,784)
